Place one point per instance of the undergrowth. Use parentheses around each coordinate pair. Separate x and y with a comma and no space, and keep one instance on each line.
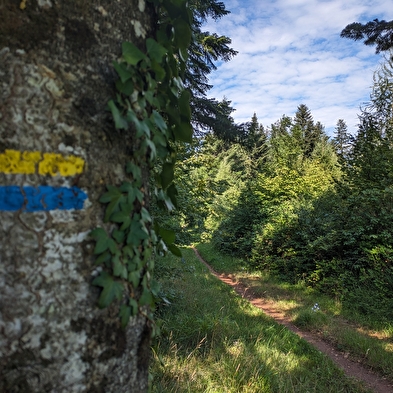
(364,339)
(214,341)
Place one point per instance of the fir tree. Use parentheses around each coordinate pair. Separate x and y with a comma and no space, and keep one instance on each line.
(376,32)
(342,140)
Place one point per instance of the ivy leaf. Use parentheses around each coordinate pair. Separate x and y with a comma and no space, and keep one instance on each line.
(113,206)
(131,54)
(159,121)
(145,215)
(174,250)
(159,72)
(146,298)
(155,50)
(103,258)
(148,146)
(184,105)
(172,194)
(119,270)
(111,289)
(118,235)
(119,216)
(136,234)
(126,88)
(102,240)
(183,132)
(167,174)
(167,235)
(134,306)
(120,121)
(134,278)
(122,71)
(125,314)
(134,170)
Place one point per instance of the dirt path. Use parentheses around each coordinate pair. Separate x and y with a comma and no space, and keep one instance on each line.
(353,369)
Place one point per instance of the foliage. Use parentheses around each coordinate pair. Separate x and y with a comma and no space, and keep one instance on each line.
(367,336)
(214,341)
(205,49)
(153,102)
(376,32)
(342,141)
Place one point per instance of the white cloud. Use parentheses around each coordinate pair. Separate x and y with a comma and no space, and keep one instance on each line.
(290,52)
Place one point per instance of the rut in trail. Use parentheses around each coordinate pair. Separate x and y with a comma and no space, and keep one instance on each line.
(352,369)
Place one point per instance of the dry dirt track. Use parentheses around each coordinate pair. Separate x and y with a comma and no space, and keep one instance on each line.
(353,369)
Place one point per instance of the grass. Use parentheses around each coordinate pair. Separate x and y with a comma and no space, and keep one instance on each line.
(212,341)
(365,340)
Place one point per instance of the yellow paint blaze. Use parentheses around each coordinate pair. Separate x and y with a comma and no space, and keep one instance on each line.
(16,162)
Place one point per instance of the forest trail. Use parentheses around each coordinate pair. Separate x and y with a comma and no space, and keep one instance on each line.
(351,368)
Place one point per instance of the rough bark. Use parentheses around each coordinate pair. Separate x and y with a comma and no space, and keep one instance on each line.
(56,78)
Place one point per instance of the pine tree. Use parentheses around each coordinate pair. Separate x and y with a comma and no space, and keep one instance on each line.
(376,32)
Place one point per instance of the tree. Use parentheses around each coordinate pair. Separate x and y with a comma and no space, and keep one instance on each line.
(342,140)
(376,32)
(305,130)
(204,51)
(58,149)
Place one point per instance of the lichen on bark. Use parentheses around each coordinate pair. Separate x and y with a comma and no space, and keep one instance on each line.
(56,78)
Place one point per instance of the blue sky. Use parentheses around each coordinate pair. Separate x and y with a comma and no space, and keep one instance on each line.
(291,53)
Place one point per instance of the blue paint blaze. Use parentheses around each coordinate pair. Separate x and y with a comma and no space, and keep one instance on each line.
(42,198)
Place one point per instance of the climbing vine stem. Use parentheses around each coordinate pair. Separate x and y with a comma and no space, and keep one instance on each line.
(152,102)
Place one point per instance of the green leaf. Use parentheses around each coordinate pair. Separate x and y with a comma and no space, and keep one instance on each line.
(113,206)
(155,50)
(159,72)
(118,235)
(134,306)
(134,278)
(111,289)
(159,121)
(135,170)
(119,270)
(122,71)
(120,121)
(131,54)
(104,257)
(174,250)
(102,240)
(172,194)
(167,174)
(125,314)
(183,132)
(145,215)
(167,235)
(136,234)
(146,298)
(184,105)
(127,88)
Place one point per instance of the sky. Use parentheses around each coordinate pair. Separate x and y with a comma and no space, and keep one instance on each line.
(290,53)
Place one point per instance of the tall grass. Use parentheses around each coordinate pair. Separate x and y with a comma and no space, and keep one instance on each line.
(364,340)
(213,341)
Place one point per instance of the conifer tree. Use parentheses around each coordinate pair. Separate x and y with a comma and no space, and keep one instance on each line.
(376,32)
(342,140)
(204,51)
(304,129)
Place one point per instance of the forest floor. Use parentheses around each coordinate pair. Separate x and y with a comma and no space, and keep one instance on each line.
(352,367)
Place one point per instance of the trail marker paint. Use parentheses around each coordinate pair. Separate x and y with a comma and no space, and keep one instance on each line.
(42,198)
(29,162)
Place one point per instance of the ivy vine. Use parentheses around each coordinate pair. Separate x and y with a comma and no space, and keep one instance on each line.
(151,100)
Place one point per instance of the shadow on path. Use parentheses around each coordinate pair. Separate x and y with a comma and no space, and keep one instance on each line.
(352,369)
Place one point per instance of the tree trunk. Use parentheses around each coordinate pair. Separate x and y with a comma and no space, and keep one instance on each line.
(58,149)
